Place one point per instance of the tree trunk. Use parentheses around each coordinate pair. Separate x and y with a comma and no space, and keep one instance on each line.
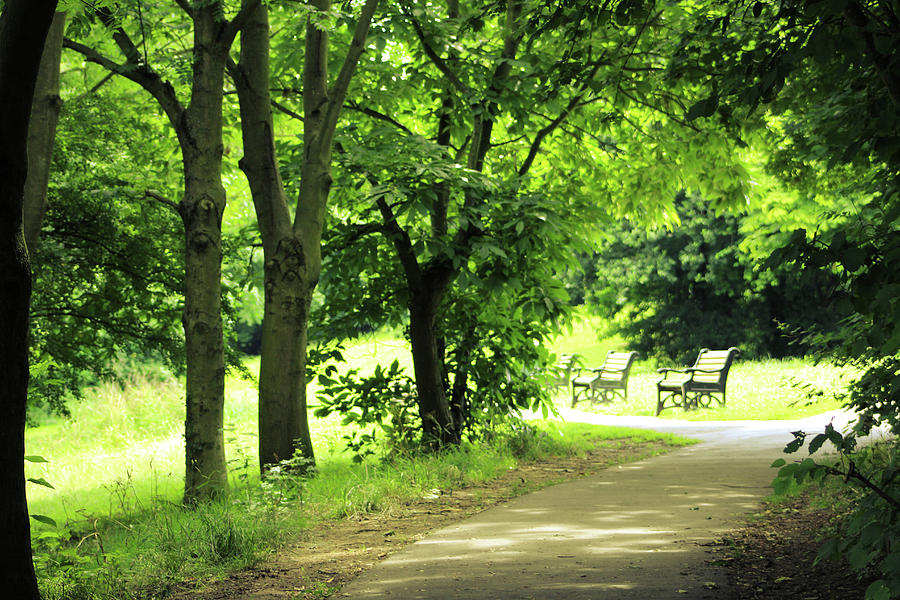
(283,422)
(42,132)
(201,211)
(201,208)
(23,28)
(292,253)
(437,423)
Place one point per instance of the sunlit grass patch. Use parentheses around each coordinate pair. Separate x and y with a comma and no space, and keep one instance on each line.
(756,390)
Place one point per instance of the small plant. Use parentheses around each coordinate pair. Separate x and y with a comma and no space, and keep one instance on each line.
(870,537)
(386,400)
(284,482)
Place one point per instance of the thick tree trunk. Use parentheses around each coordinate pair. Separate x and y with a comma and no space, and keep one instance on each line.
(42,132)
(23,28)
(283,422)
(201,210)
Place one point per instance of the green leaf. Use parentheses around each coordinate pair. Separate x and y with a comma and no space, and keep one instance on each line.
(836,438)
(853,257)
(781,485)
(817,442)
(778,463)
(36,459)
(878,590)
(44,519)
(703,108)
(793,446)
(859,558)
(41,481)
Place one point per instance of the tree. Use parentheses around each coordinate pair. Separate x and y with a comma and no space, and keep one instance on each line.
(291,249)
(198,127)
(23,29)
(824,79)
(670,291)
(42,131)
(108,272)
(489,103)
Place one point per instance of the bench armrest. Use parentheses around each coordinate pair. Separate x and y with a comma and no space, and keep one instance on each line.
(698,370)
(670,369)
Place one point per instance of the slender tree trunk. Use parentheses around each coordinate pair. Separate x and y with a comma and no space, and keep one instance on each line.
(23,28)
(201,211)
(42,132)
(199,131)
(437,422)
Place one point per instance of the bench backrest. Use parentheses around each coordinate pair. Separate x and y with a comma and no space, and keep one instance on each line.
(617,365)
(714,360)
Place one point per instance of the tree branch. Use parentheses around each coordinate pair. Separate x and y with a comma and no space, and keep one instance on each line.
(282,108)
(402,244)
(135,70)
(377,115)
(364,229)
(239,20)
(433,56)
(162,199)
(339,91)
(186,7)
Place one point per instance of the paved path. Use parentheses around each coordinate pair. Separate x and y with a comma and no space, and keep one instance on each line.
(638,531)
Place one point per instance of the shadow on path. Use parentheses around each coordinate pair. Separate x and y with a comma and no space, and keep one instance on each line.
(642,530)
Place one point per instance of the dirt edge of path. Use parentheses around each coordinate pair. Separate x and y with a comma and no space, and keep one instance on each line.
(333,553)
(771,555)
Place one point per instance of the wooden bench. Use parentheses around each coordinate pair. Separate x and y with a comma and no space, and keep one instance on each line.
(606,382)
(559,375)
(694,387)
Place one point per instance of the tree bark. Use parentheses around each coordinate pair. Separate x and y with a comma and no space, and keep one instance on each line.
(23,29)
(42,132)
(292,252)
(438,426)
(283,421)
(201,211)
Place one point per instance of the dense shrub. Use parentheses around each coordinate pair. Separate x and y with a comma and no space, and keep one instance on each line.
(670,292)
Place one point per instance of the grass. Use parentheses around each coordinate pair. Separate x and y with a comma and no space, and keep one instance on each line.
(117,470)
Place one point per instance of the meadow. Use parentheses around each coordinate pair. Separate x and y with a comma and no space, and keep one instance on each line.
(116,467)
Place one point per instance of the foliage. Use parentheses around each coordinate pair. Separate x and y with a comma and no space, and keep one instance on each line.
(106,269)
(672,291)
(818,82)
(868,538)
(385,399)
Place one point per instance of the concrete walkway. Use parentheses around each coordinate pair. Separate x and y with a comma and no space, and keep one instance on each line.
(642,530)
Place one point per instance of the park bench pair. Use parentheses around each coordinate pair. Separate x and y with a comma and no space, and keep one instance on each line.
(689,388)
